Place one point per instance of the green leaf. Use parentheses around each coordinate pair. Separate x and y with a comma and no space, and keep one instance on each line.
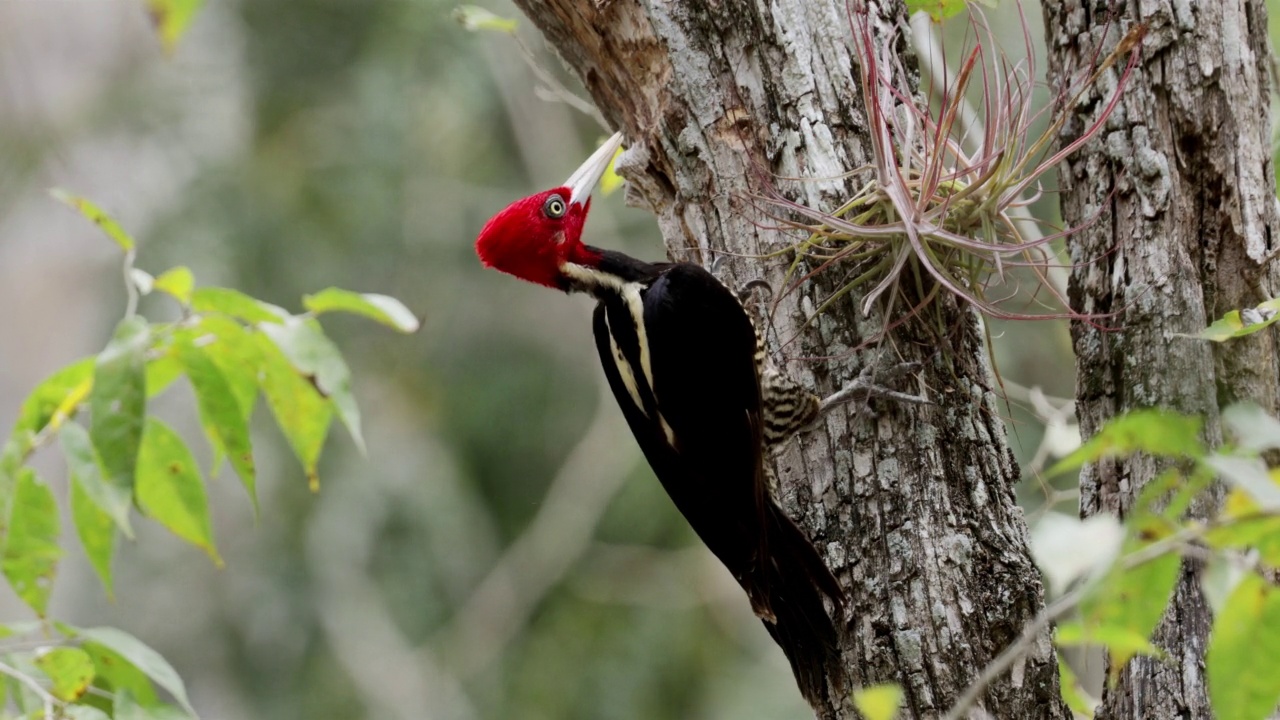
(1238,323)
(65,389)
(1171,491)
(386,310)
(475,18)
(220,412)
(162,371)
(88,474)
(1243,661)
(141,657)
(31,550)
(97,534)
(315,356)
(939,10)
(117,673)
(69,668)
(171,19)
(119,401)
(879,702)
(96,215)
(1158,432)
(1119,640)
(235,351)
(1131,601)
(236,304)
(127,708)
(177,282)
(302,413)
(1073,692)
(170,488)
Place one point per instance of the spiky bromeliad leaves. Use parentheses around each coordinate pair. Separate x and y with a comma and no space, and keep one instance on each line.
(943,205)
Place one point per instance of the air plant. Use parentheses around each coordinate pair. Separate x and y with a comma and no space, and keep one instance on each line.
(943,205)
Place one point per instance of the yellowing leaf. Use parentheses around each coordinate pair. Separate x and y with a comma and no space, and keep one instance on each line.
(142,657)
(69,668)
(317,358)
(171,19)
(302,413)
(475,18)
(31,551)
(97,216)
(170,489)
(1243,660)
(178,282)
(62,391)
(939,10)
(880,702)
(611,180)
(384,309)
(235,304)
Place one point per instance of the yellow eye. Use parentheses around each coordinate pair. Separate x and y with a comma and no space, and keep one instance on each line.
(554,207)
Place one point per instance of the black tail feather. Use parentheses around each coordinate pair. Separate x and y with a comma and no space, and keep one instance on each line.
(792,580)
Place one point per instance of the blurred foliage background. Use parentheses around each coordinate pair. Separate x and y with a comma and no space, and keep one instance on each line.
(503,551)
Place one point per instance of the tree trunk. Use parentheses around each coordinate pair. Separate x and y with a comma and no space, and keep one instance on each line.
(914,506)
(1183,179)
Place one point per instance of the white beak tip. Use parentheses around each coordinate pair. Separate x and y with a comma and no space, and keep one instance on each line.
(584,179)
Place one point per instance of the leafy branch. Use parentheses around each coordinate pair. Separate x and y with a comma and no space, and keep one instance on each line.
(231,349)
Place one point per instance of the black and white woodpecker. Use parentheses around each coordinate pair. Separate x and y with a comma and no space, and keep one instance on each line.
(690,373)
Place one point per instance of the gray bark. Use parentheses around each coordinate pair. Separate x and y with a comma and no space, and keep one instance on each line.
(914,505)
(1183,180)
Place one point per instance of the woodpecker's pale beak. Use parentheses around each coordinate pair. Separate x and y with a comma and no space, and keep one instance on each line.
(584,179)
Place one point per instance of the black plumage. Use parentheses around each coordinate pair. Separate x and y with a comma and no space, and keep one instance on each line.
(683,360)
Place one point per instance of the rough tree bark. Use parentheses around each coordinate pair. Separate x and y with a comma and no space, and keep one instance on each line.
(1183,179)
(913,507)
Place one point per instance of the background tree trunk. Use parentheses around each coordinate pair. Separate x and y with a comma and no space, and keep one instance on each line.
(914,507)
(1183,179)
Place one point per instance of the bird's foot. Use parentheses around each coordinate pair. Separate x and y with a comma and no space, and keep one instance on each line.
(864,388)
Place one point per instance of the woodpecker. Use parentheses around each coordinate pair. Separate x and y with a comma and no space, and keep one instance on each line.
(690,373)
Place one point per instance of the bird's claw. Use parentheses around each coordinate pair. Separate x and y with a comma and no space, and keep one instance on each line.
(864,388)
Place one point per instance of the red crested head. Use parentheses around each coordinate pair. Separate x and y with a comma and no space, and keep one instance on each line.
(533,238)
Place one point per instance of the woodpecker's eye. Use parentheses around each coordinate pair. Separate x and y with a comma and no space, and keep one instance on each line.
(554,207)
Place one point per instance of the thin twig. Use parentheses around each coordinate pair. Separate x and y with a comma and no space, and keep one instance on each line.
(130,287)
(556,88)
(49,700)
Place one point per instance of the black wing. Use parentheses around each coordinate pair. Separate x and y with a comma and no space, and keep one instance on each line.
(699,425)
(699,422)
